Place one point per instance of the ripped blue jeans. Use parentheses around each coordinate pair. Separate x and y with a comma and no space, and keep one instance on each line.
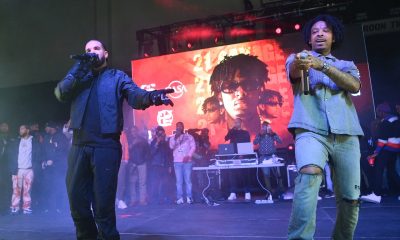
(343,151)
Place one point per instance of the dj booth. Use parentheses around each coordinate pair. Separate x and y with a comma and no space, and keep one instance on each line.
(237,156)
(217,169)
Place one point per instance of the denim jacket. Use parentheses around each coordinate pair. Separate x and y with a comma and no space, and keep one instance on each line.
(114,86)
(328,109)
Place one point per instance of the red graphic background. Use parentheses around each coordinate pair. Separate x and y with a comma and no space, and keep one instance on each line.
(194,68)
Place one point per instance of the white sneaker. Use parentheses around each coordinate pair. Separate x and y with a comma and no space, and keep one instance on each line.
(27,211)
(14,210)
(319,198)
(247,196)
(179,201)
(371,198)
(122,204)
(232,196)
(189,200)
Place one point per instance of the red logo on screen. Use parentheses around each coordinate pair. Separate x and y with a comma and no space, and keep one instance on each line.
(178,87)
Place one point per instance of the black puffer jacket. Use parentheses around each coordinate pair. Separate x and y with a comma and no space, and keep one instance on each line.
(114,86)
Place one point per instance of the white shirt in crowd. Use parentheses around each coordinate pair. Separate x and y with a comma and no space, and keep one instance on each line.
(25,153)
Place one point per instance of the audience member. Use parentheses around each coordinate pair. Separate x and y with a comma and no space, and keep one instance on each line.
(24,155)
(266,141)
(160,167)
(54,166)
(139,154)
(5,176)
(183,147)
(123,173)
(385,154)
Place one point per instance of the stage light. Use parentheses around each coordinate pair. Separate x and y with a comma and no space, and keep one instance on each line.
(146,55)
(278,30)
(297,26)
(189,45)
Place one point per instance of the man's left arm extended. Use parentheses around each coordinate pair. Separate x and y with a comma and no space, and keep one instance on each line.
(142,99)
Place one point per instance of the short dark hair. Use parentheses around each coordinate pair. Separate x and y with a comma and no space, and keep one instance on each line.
(159,128)
(210,100)
(102,43)
(268,94)
(265,123)
(249,66)
(332,22)
(25,125)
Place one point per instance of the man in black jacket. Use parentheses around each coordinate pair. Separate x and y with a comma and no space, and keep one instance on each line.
(54,165)
(96,93)
(24,157)
(5,176)
(238,135)
(160,167)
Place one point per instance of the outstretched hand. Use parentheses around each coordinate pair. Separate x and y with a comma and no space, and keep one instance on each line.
(159,97)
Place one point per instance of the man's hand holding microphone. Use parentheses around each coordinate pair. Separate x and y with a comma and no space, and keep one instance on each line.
(303,62)
(83,64)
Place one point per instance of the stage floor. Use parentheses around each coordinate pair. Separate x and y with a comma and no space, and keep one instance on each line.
(238,220)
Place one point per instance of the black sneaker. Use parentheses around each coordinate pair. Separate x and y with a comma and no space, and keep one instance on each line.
(329,194)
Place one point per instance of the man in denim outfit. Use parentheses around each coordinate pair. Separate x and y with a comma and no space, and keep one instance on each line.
(325,125)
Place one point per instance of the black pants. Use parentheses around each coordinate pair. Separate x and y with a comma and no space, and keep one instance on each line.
(53,191)
(386,159)
(158,184)
(92,178)
(6,186)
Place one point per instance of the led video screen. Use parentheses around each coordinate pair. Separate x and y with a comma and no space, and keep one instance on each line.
(203,99)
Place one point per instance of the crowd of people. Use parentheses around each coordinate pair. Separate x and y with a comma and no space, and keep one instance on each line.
(33,167)
(381,163)
(148,170)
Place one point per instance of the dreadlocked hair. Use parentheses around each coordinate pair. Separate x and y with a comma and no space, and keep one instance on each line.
(333,23)
(249,66)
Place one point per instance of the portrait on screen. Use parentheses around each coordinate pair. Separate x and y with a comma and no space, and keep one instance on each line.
(248,80)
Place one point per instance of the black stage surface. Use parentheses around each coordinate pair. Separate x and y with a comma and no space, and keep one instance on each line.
(238,220)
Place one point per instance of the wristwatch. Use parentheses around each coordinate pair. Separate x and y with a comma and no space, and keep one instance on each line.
(325,67)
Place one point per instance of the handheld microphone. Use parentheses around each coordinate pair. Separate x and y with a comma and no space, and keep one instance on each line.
(79,57)
(305,80)
(86,57)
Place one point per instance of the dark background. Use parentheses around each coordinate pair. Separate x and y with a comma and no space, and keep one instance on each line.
(38,36)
